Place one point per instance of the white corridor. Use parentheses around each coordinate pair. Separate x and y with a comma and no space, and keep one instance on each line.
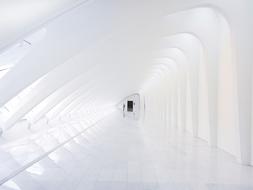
(126,95)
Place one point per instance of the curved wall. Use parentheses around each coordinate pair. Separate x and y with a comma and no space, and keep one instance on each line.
(190,61)
(209,82)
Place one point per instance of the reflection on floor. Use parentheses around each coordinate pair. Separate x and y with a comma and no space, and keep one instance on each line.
(117,155)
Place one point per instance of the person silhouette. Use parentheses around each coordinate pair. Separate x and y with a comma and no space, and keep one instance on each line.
(124,106)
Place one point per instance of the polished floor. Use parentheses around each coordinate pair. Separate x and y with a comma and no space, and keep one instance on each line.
(118,154)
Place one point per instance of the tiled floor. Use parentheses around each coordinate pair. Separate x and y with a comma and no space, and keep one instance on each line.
(116,154)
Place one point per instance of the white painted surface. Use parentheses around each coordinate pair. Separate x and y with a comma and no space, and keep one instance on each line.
(73,61)
(118,154)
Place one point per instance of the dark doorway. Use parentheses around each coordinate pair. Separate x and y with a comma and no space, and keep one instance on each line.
(130,106)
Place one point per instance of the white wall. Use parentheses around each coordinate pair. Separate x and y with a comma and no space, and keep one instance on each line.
(190,60)
(211,103)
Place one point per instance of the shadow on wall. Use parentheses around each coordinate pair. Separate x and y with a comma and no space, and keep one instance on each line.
(130,107)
